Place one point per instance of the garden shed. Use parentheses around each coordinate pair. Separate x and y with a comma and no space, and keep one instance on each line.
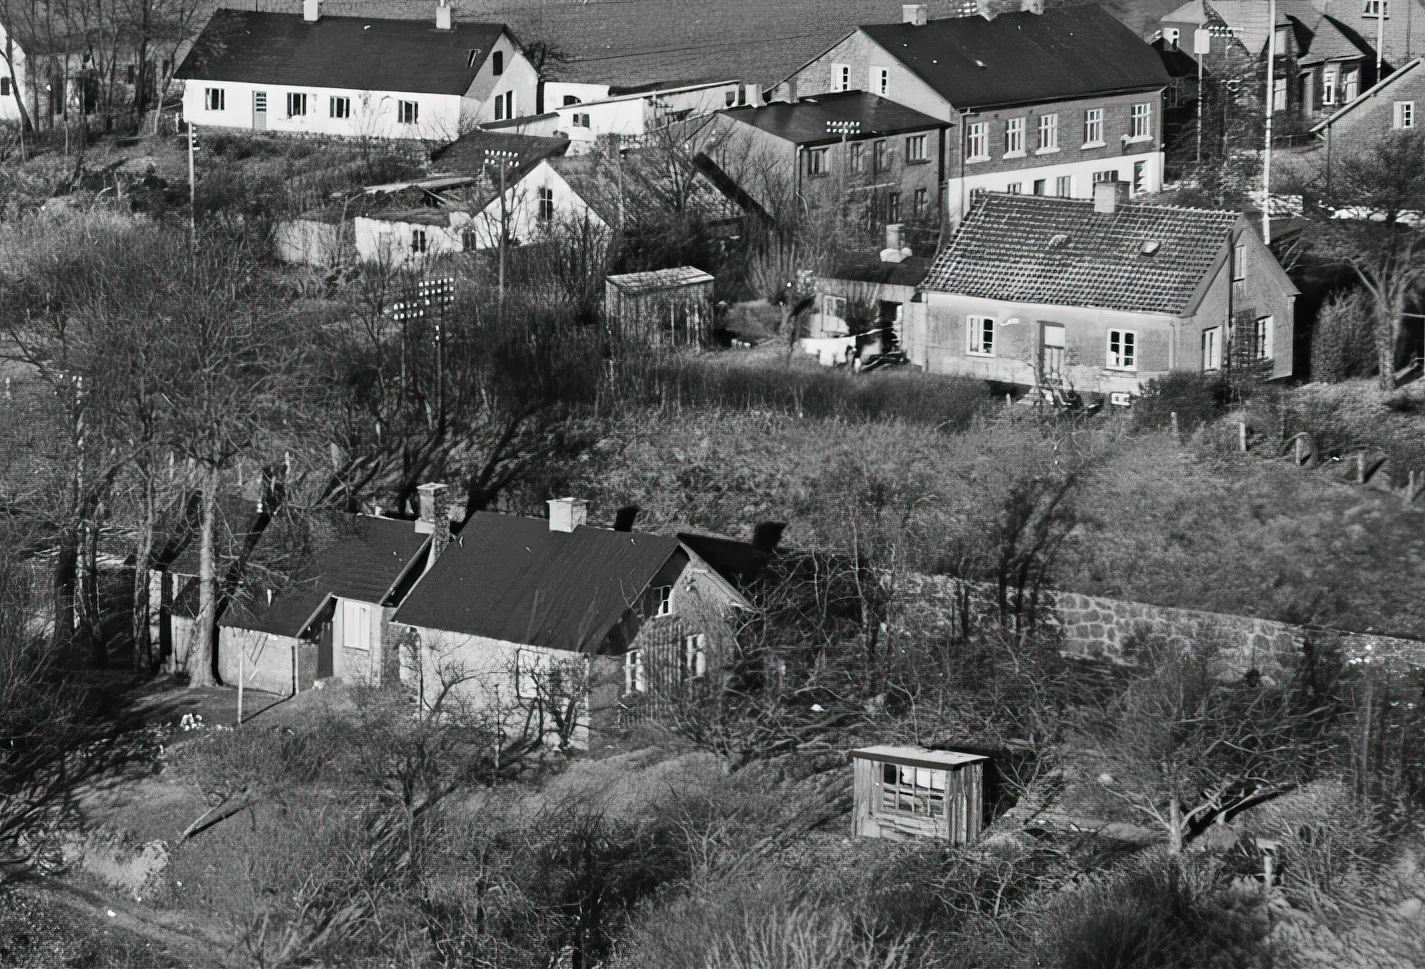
(911,792)
(665,306)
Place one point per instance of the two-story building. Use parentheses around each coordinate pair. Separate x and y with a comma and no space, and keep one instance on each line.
(1040,104)
(359,77)
(1101,295)
(1392,105)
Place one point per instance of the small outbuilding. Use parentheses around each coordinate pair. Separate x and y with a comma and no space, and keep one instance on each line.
(665,306)
(911,792)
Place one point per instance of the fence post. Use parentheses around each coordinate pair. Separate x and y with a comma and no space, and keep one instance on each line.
(1177,437)
(1242,436)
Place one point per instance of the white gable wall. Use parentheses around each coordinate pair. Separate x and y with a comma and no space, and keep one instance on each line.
(519,76)
(9,109)
(522,202)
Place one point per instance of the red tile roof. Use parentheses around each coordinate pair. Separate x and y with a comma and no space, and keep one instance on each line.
(1036,249)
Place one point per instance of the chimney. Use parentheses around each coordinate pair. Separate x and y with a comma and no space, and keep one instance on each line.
(624,519)
(767,535)
(567,514)
(1108,196)
(1031,6)
(442,15)
(893,251)
(916,14)
(311,10)
(435,517)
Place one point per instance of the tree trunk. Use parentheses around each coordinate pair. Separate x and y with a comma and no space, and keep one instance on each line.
(142,617)
(1175,825)
(93,609)
(200,653)
(66,574)
(1388,313)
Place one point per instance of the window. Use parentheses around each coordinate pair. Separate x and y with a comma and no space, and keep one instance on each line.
(1278,94)
(634,680)
(1015,188)
(977,142)
(1171,36)
(214,98)
(407,112)
(660,601)
(1405,114)
(841,73)
(355,625)
(570,99)
(1122,350)
(816,162)
(1048,132)
(530,668)
(893,206)
(913,790)
(581,121)
(1262,345)
(1328,87)
(546,204)
(915,149)
(468,240)
(1352,88)
(741,94)
(1140,177)
(883,157)
(731,97)
(418,240)
(1041,186)
(1212,349)
(1064,186)
(834,306)
(296,105)
(1239,264)
(340,107)
(1375,9)
(1105,176)
(922,203)
(1141,121)
(497,63)
(471,57)
(881,81)
(505,106)
(982,335)
(858,158)
(695,656)
(130,76)
(1093,127)
(1013,137)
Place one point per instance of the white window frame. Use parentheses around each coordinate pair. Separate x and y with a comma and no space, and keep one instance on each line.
(912,791)
(1404,115)
(818,161)
(662,601)
(1351,87)
(921,202)
(357,615)
(1141,121)
(1064,186)
(1372,9)
(1048,134)
(420,242)
(408,112)
(833,306)
(505,106)
(635,677)
(1212,357)
(1015,188)
(295,100)
(581,120)
(1014,137)
(544,201)
(1264,329)
(1328,86)
(695,656)
(1122,350)
(881,81)
(1093,128)
(1279,94)
(1171,35)
(339,107)
(842,75)
(977,141)
(1239,263)
(916,149)
(857,157)
(981,337)
(214,98)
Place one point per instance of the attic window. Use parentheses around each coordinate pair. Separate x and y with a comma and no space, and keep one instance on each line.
(1059,240)
(1150,247)
(474,55)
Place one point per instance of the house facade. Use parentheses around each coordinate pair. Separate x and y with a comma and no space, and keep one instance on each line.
(1092,107)
(585,113)
(354,76)
(1392,105)
(1101,296)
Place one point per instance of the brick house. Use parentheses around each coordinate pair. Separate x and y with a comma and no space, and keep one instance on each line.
(522,617)
(358,77)
(1392,105)
(782,155)
(1100,296)
(1040,103)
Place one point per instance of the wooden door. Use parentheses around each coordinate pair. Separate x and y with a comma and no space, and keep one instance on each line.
(324,652)
(1051,352)
(259,110)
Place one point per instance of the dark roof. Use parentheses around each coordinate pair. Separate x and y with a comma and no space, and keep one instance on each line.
(1333,40)
(1176,61)
(512,579)
(353,556)
(1005,250)
(872,269)
(467,153)
(658,280)
(1024,58)
(642,187)
(362,53)
(804,123)
(737,561)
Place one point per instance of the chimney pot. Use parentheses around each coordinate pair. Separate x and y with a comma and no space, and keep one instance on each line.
(1108,196)
(435,516)
(567,514)
(311,10)
(915,14)
(442,15)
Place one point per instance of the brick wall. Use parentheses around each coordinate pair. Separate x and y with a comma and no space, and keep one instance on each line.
(1375,118)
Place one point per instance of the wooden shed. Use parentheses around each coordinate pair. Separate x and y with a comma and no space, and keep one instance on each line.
(911,792)
(665,306)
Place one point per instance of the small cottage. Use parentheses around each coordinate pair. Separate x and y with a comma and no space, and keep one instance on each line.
(910,792)
(665,306)
(864,302)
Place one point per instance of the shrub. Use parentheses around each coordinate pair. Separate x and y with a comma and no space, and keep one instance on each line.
(1342,343)
(1196,398)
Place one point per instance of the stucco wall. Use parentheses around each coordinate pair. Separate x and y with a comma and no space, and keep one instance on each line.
(9,108)
(267,662)
(373,113)
(861,55)
(308,242)
(1375,117)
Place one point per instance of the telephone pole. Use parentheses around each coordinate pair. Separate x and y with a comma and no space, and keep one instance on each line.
(503,158)
(1271,110)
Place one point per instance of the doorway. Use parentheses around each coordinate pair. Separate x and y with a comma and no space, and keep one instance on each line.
(259,110)
(325,666)
(1051,353)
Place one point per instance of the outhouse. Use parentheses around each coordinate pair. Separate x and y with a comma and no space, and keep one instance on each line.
(911,792)
(665,306)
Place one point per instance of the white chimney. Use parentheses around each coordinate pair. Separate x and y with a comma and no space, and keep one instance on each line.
(311,10)
(1031,6)
(435,516)
(442,15)
(1108,196)
(567,514)
(915,14)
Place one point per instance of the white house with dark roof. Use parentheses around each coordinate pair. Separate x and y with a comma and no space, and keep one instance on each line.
(1102,295)
(361,77)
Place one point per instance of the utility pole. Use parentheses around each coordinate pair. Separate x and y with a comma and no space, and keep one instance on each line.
(1271,110)
(503,158)
(1201,46)
(192,192)
(1380,34)
(845,129)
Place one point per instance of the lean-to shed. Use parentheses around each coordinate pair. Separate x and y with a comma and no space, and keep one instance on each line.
(911,792)
(665,306)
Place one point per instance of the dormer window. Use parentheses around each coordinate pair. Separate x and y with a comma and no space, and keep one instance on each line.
(474,56)
(498,62)
(1151,247)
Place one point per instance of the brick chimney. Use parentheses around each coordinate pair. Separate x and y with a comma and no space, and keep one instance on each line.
(915,14)
(567,514)
(442,15)
(311,10)
(435,517)
(1108,197)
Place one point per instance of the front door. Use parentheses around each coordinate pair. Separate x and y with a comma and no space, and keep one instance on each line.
(259,110)
(324,652)
(1051,353)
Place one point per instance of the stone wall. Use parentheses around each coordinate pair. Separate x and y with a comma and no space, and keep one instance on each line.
(1116,629)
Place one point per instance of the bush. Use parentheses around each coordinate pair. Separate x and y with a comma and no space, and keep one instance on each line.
(1195,397)
(1342,343)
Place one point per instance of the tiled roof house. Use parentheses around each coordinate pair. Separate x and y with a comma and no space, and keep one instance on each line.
(1101,295)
